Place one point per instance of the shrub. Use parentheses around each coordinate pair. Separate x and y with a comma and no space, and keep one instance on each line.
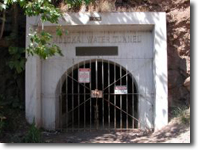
(2,124)
(33,135)
(182,113)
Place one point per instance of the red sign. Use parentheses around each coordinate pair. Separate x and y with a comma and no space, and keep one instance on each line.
(121,89)
(84,75)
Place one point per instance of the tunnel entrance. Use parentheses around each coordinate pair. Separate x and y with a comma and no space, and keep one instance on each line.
(98,94)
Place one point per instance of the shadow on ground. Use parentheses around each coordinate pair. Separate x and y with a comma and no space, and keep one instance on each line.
(173,130)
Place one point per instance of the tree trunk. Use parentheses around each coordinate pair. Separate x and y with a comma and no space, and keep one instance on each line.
(15,20)
(3,23)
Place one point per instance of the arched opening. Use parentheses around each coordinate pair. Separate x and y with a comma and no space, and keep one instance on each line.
(107,99)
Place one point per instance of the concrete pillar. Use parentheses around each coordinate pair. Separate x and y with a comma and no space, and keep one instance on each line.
(33,84)
(160,73)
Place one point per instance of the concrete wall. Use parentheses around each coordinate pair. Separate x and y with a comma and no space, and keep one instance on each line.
(144,55)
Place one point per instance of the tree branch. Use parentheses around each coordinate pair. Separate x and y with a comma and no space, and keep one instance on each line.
(3,23)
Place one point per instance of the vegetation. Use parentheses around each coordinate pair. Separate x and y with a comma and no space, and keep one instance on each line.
(2,118)
(33,135)
(182,113)
(12,58)
(2,122)
(41,42)
(16,62)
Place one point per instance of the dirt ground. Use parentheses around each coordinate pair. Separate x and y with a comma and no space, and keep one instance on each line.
(173,133)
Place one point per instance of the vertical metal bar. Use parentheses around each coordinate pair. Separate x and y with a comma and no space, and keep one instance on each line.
(96,68)
(66,102)
(96,74)
(90,97)
(120,98)
(84,105)
(127,100)
(102,95)
(109,95)
(115,125)
(78,103)
(133,95)
(72,99)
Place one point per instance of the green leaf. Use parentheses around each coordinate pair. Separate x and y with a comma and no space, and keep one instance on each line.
(13,50)
(59,32)
(17,60)
(2,6)
(40,43)
(66,32)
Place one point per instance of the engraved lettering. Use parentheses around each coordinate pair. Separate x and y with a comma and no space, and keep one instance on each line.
(89,38)
(115,39)
(124,39)
(99,37)
(95,40)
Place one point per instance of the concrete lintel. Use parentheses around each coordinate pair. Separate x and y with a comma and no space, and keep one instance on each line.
(146,18)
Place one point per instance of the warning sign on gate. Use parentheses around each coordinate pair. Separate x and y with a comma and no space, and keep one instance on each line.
(84,75)
(121,89)
(96,94)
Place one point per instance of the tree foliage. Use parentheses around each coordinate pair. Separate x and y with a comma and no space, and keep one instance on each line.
(41,42)
(16,62)
(44,8)
(12,60)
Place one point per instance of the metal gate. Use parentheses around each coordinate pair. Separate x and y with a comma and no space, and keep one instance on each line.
(98,94)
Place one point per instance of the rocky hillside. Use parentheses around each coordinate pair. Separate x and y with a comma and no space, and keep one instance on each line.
(178,39)
(178,42)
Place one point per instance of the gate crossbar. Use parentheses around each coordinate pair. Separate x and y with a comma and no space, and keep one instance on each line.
(116,81)
(78,82)
(122,110)
(78,105)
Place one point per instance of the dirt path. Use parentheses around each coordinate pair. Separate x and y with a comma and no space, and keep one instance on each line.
(173,133)
(182,138)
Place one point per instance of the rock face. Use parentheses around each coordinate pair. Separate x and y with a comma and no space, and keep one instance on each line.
(178,42)
(178,27)
(187,83)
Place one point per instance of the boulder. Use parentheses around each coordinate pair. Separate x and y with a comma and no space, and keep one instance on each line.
(187,83)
